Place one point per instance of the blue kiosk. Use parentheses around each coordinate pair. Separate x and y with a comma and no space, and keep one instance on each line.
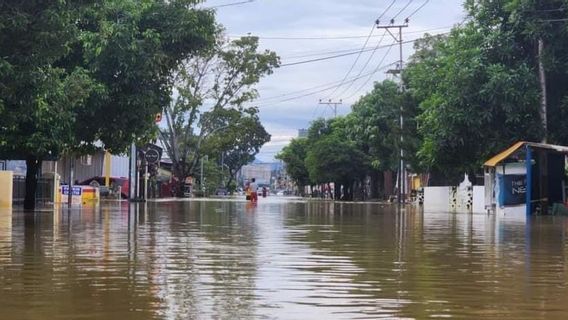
(527,177)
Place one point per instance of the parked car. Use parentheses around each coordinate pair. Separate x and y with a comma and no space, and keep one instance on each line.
(115,182)
(221,192)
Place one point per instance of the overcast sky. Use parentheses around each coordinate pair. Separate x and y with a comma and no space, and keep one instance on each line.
(289,97)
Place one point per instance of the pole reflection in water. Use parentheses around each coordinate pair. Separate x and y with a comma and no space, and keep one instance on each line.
(283,258)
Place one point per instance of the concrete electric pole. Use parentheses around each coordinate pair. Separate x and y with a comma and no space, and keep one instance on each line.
(402,170)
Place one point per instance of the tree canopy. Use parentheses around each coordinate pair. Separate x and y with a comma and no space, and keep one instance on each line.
(80,73)
(465,96)
(212,89)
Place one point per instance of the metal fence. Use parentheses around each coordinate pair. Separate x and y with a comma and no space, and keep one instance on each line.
(44,192)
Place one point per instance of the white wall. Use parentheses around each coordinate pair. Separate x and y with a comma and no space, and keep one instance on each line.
(436,199)
(118,166)
(479,199)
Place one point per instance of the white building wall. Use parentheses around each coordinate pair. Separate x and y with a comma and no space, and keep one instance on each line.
(436,199)
(119,166)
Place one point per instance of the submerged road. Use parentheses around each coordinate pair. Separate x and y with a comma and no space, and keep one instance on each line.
(282,259)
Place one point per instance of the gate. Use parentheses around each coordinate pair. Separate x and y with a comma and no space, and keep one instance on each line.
(44,192)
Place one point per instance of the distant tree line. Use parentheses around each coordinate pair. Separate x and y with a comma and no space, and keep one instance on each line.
(467,95)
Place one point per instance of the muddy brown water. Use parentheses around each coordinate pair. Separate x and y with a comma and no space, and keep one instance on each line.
(283,259)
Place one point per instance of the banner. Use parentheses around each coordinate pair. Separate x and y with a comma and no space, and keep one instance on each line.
(512,189)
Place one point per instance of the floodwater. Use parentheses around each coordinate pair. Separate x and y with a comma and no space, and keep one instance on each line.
(283,259)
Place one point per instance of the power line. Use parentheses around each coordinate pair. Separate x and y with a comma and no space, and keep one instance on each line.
(320,91)
(386,10)
(368,61)
(418,9)
(357,59)
(371,75)
(347,54)
(401,10)
(230,4)
(338,81)
(302,91)
(332,37)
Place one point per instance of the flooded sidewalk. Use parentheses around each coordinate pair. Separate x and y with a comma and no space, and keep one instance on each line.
(281,259)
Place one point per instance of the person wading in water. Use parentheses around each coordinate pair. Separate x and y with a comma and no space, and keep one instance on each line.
(253,187)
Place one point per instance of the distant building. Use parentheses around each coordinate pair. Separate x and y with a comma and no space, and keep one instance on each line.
(302,133)
(260,171)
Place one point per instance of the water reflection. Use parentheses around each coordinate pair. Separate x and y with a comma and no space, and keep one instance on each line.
(280,259)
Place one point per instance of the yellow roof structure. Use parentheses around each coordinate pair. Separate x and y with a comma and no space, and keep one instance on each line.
(507,153)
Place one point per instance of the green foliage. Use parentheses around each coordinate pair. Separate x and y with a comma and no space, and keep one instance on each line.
(467,96)
(375,125)
(239,142)
(478,87)
(78,72)
(207,116)
(332,157)
(75,74)
(133,49)
(294,155)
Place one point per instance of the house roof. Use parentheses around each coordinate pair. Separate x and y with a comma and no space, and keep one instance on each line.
(512,149)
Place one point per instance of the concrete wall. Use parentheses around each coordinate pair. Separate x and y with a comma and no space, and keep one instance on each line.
(446,199)
(479,199)
(437,199)
(6,183)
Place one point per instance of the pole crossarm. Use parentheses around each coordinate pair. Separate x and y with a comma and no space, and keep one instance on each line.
(333,104)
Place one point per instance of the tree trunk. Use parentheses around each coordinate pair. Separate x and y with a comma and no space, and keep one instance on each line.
(229,181)
(375,185)
(32,167)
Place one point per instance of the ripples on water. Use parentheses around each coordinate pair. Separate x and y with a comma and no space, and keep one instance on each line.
(280,260)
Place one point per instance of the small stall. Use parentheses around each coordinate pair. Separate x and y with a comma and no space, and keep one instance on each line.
(527,178)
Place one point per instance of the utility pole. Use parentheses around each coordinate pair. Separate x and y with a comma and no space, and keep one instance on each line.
(402,170)
(542,79)
(332,104)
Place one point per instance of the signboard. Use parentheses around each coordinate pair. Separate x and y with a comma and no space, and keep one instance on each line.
(152,156)
(76,194)
(77,190)
(512,189)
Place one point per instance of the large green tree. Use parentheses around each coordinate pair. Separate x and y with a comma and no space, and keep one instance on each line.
(375,127)
(294,155)
(78,72)
(207,85)
(333,157)
(239,143)
(479,87)
(473,103)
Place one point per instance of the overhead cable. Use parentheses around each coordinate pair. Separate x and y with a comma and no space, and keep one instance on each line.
(370,76)
(347,54)
(356,59)
(418,9)
(332,37)
(386,10)
(230,4)
(367,62)
(320,91)
(401,10)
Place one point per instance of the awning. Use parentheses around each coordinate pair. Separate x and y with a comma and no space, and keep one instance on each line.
(504,155)
(507,153)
